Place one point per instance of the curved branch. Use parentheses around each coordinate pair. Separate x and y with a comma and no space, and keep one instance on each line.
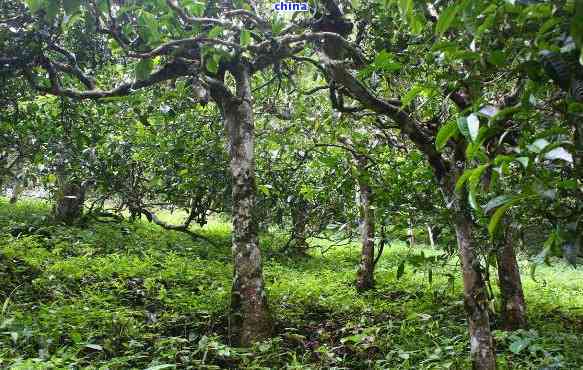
(151,216)
(170,71)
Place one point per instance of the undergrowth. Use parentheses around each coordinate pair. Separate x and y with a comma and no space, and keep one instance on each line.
(133,296)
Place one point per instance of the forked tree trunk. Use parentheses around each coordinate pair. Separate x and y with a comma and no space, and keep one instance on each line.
(365,274)
(299,220)
(475,295)
(250,319)
(69,202)
(513,312)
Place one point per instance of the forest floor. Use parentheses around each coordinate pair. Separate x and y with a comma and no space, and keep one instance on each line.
(125,296)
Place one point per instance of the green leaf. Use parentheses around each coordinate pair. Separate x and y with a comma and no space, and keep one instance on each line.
(523,161)
(476,175)
(34,5)
(459,185)
(96,347)
(497,202)
(52,10)
(384,61)
(143,68)
(161,367)
(212,65)
(445,133)
(148,27)
(446,19)
(196,8)
(245,38)
(71,6)
(472,199)
(462,124)
(406,7)
(277,26)
(215,31)
(559,153)
(401,269)
(497,58)
(538,145)
(518,345)
(411,94)
(473,126)
(496,217)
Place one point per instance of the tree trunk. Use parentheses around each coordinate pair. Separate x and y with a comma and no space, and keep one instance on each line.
(411,233)
(17,189)
(513,305)
(250,319)
(430,235)
(365,274)
(69,201)
(299,220)
(475,295)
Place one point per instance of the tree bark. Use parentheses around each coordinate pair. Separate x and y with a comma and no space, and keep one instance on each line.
(410,233)
(430,236)
(475,295)
(69,201)
(365,274)
(17,189)
(250,319)
(513,312)
(299,220)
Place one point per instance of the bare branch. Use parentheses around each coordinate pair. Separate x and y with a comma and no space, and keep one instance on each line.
(182,228)
(203,20)
(170,71)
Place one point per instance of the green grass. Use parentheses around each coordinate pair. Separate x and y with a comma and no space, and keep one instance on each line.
(124,296)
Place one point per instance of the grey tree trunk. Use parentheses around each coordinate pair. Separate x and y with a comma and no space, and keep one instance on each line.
(250,319)
(299,220)
(430,236)
(475,295)
(17,189)
(513,311)
(365,274)
(411,233)
(69,201)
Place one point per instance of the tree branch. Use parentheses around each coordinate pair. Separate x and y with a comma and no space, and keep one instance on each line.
(151,216)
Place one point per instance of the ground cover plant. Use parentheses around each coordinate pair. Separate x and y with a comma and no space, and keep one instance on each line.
(135,296)
(361,161)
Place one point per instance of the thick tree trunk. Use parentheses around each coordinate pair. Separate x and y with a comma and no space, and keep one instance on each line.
(299,220)
(513,311)
(250,319)
(69,202)
(475,295)
(365,274)
(17,189)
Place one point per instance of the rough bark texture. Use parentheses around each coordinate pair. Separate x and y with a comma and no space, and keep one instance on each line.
(475,295)
(482,351)
(513,313)
(300,219)
(411,233)
(69,202)
(16,191)
(250,319)
(365,274)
